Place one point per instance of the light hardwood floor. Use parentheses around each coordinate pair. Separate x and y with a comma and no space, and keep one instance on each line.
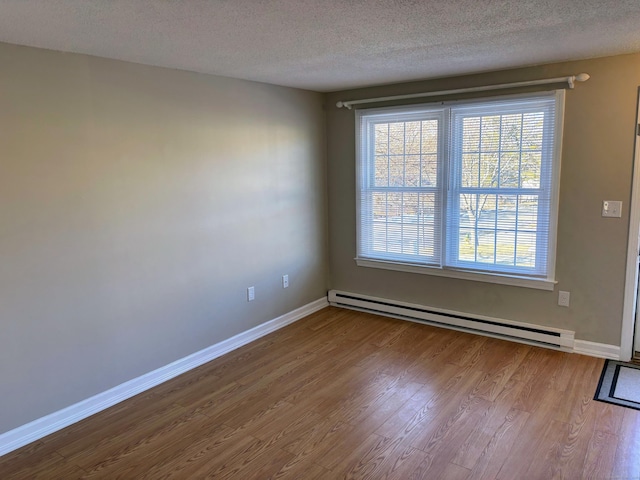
(343,394)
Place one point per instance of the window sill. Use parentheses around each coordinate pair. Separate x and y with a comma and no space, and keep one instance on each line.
(537,283)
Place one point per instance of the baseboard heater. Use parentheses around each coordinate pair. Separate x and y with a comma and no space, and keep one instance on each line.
(493,327)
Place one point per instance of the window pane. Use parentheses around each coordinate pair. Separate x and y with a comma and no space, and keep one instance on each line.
(412,171)
(505,248)
(530,170)
(404,223)
(510,133)
(429,170)
(486,211)
(467,245)
(470,169)
(430,136)
(490,133)
(528,213)
(468,204)
(471,135)
(427,240)
(399,159)
(500,151)
(489,170)
(379,207)
(532,131)
(510,170)
(412,137)
(396,138)
(526,249)
(382,171)
(486,246)
(381,136)
(507,213)
(410,223)
(396,170)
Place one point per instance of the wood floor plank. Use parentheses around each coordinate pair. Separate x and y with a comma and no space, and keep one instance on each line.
(500,354)
(468,353)
(137,462)
(441,389)
(498,449)
(431,423)
(442,445)
(111,438)
(147,438)
(381,405)
(627,459)
(282,422)
(531,437)
(51,466)
(455,472)
(30,454)
(499,413)
(575,445)
(548,452)
(345,394)
(609,417)
(387,459)
(500,376)
(318,438)
(577,394)
(600,456)
(361,461)
(190,452)
(205,460)
(259,460)
(299,470)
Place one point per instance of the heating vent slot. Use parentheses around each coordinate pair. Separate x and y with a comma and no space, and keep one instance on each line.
(493,327)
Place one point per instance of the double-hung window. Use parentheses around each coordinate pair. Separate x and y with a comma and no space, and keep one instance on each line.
(465,189)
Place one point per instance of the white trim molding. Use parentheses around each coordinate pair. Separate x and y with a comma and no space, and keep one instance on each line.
(601,350)
(629,305)
(30,432)
(513,280)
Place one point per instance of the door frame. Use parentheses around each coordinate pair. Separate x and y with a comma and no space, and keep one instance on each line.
(631,280)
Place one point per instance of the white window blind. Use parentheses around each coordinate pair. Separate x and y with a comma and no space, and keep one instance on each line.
(466,186)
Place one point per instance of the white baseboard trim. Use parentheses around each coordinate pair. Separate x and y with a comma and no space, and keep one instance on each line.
(32,431)
(593,349)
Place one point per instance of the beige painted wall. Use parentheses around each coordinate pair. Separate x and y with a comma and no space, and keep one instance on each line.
(597,164)
(136,206)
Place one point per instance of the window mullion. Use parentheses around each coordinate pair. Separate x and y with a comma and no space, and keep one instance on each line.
(448,178)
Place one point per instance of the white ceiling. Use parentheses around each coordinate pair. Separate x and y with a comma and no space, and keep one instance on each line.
(327,45)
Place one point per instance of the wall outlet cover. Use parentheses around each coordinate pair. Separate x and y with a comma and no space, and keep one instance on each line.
(564,298)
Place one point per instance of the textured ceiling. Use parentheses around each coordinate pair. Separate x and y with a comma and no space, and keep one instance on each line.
(328,45)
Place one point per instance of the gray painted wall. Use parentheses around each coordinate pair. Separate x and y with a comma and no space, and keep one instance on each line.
(136,206)
(597,162)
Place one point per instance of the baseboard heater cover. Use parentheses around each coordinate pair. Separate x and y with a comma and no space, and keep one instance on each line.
(494,327)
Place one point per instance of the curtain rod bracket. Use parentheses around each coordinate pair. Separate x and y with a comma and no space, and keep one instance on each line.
(343,104)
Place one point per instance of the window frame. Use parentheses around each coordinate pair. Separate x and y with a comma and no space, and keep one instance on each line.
(445,178)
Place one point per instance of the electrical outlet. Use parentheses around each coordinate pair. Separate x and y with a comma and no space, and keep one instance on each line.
(285,281)
(563,298)
(251,294)
(612,208)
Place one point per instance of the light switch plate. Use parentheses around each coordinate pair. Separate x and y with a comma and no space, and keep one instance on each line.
(612,208)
